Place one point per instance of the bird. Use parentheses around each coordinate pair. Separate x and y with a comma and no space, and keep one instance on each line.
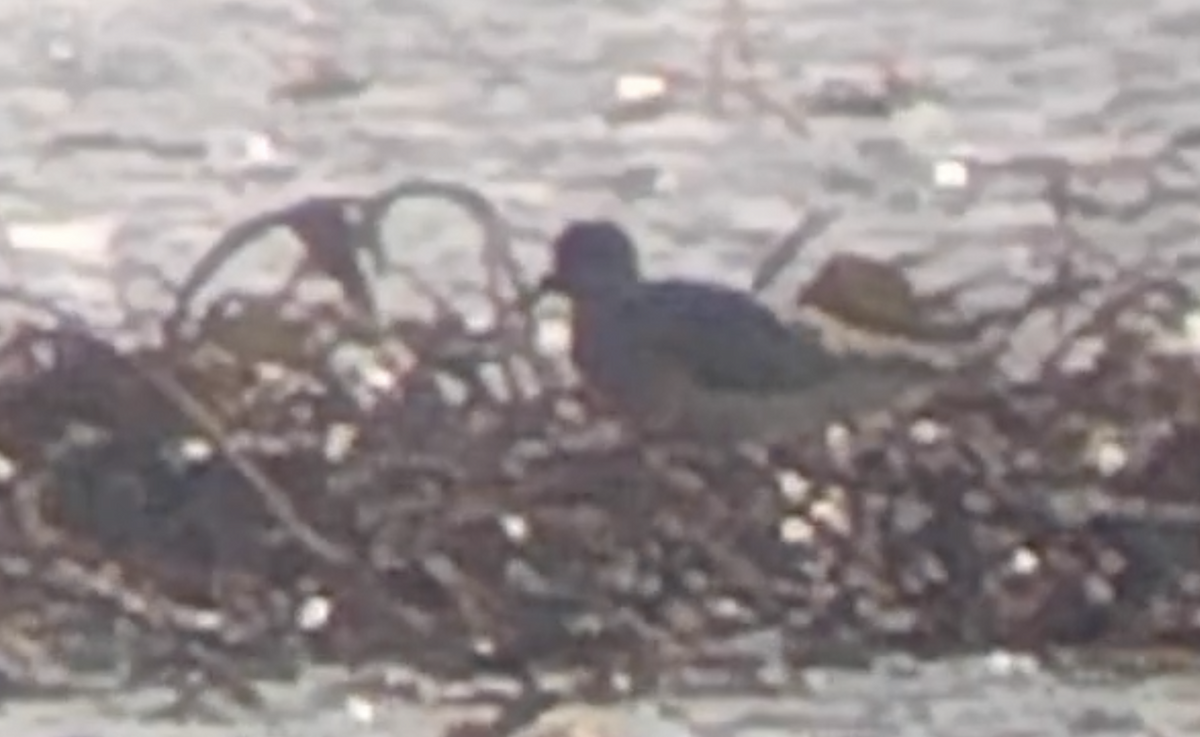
(701,360)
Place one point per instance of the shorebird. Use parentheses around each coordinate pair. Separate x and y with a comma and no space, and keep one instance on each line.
(703,361)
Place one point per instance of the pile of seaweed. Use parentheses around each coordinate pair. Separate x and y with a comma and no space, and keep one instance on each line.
(265,482)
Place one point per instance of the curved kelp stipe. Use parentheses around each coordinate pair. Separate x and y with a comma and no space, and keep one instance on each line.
(331,230)
(334,230)
(506,279)
(509,289)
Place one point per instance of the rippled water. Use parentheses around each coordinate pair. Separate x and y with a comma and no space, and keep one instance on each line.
(508,98)
(995,696)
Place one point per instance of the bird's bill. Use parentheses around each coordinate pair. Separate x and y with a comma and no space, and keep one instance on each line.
(551,283)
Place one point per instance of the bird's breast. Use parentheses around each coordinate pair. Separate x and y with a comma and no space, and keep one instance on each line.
(616,364)
(603,350)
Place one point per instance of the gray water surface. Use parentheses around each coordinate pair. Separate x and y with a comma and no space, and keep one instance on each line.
(986,696)
(510,100)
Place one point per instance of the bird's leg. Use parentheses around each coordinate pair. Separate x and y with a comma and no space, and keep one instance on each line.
(602,428)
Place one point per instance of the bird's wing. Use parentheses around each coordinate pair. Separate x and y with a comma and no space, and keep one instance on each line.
(725,340)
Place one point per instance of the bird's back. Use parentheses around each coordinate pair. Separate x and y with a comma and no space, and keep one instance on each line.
(725,339)
(711,362)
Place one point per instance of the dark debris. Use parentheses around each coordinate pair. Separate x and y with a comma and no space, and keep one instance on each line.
(229,495)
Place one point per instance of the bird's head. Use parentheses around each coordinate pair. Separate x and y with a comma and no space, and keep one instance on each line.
(591,258)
